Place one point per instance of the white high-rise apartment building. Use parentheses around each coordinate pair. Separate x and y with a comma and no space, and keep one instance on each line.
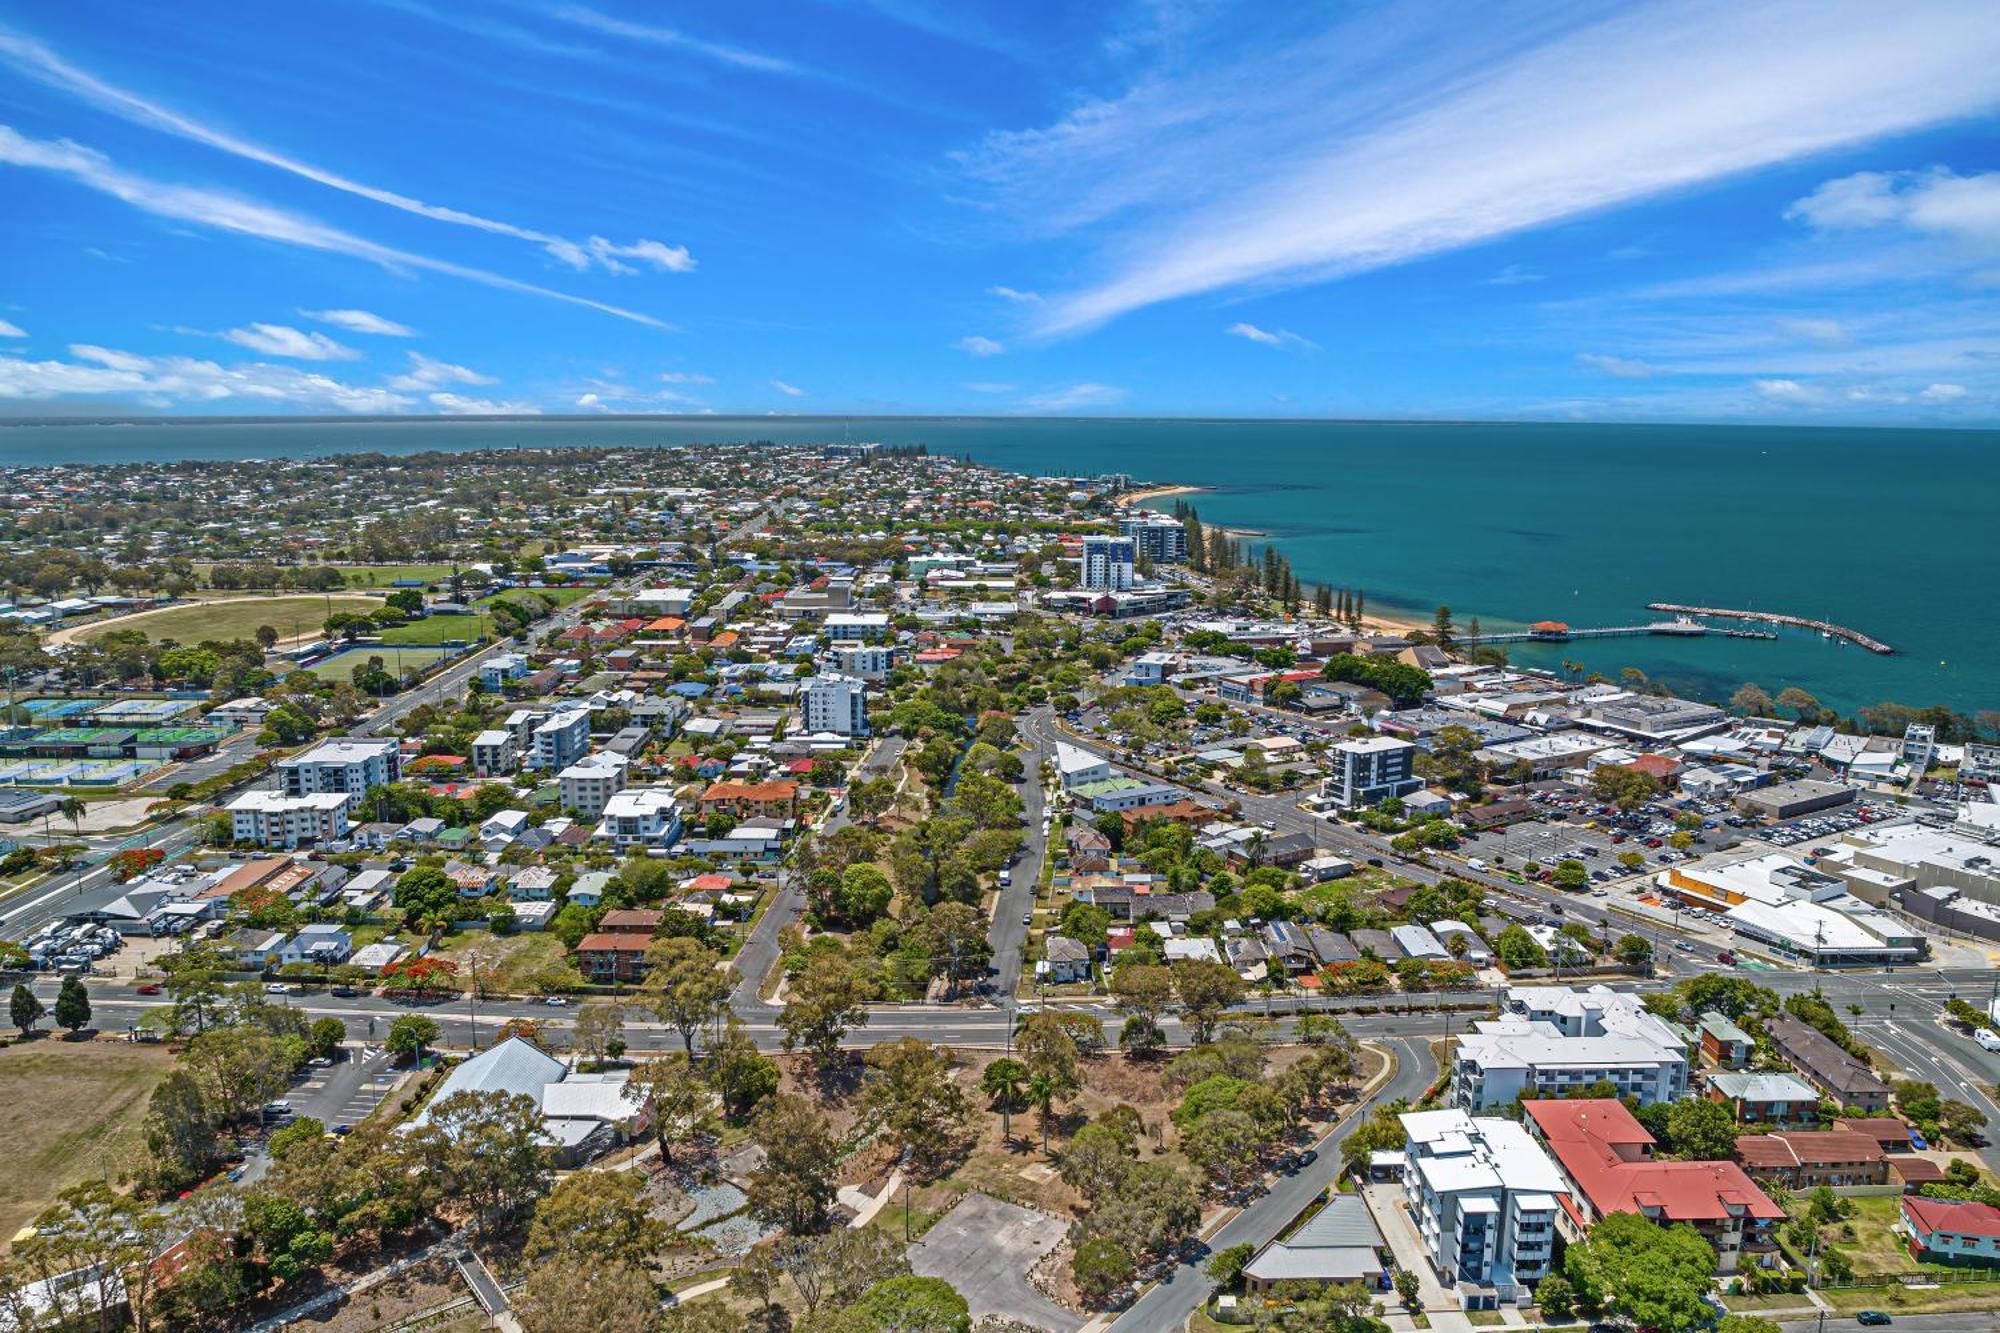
(1108,563)
(835,703)
(1484,1198)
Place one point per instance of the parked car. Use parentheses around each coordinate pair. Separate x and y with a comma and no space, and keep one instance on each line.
(276,988)
(1873,1319)
(150,988)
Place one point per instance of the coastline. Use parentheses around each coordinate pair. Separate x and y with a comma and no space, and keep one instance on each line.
(1157,493)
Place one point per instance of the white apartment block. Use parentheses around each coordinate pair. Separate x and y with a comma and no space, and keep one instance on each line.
(274,819)
(559,740)
(496,671)
(835,703)
(349,764)
(641,817)
(868,661)
(1554,1040)
(494,754)
(590,783)
(1484,1197)
(1369,771)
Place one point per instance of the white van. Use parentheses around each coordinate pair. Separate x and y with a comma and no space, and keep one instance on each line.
(1006,878)
(1987,1038)
(1476,863)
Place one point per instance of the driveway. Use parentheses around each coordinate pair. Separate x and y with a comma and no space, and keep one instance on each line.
(1393,1221)
(986,1248)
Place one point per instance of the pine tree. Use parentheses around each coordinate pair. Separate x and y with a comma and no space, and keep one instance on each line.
(1358,612)
(1322,599)
(1271,583)
(1197,542)
(73,1005)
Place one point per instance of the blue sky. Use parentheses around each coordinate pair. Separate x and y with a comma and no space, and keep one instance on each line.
(1782,211)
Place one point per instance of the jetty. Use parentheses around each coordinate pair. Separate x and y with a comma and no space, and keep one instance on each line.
(1555,631)
(1825,627)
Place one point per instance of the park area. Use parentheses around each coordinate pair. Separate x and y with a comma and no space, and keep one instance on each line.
(229,618)
(75,1113)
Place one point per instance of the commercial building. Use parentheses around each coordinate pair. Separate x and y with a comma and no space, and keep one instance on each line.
(834,703)
(559,740)
(1157,537)
(275,819)
(1789,800)
(1077,766)
(1555,1041)
(1369,771)
(1796,910)
(1108,564)
(1485,1199)
(588,784)
(1606,1158)
(350,764)
(1652,717)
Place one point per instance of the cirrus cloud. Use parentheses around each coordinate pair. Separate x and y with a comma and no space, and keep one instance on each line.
(283,340)
(360,321)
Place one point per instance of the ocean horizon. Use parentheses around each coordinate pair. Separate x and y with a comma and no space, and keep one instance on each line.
(1875,528)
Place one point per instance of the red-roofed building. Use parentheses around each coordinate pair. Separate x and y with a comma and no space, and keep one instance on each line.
(1962,1234)
(612,956)
(1606,1155)
(745,799)
(1807,1159)
(1659,767)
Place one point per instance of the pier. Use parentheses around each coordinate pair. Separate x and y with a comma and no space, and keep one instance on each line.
(1825,627)
(1554,631)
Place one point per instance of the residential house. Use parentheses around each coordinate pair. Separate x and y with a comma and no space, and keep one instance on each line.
(1064,961)
(778,799)
(323,943)
(532,884)
(589,887)
(1337,1245)
(1960,1234)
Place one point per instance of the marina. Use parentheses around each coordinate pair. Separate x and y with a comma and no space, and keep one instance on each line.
(1825,627)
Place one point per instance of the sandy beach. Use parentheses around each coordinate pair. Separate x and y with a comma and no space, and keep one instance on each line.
(1157,493)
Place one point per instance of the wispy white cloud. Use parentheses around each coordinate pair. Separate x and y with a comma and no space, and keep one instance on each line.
(789,390)
(247,217)
(1290,158)
(457,405)
(1943,393)
(105,372)
(9,329)
(1515,275)
(685,377)
(1270,337)
(583,16)
(1016,295)
(1937,202)
(39,62)
(1619,367)
(360,321)
(1787,391)
(429,373)
(974,345)
(1072,398)
(284,340)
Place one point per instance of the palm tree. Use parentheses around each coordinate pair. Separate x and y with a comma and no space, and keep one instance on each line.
(72,809)
(1043,1090)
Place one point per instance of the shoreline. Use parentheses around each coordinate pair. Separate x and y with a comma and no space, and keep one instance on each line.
(1157,493)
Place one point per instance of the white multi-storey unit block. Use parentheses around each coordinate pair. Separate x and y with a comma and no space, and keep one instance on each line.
(1484,1198)
(835,703)
(349,764)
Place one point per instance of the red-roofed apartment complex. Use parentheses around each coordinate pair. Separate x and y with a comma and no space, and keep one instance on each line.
(1965,1234)
(1607,1158)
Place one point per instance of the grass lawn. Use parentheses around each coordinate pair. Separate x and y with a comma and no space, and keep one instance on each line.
(396,659)
(433,630)
(1774,1300)
(1875,1248)
(382,576)
(1951,1299)
(88,1098)
(197,621)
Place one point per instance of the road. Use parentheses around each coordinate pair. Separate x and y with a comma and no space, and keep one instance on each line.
(760,949)
(1008,935)
(1181,1292)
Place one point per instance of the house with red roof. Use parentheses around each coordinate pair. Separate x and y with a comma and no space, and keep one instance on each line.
(1606,1156)
(1962,1234)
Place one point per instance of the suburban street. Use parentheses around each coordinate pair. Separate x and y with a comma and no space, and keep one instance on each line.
(1168,1304)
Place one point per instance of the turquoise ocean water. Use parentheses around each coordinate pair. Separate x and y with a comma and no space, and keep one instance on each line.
(1892,532)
